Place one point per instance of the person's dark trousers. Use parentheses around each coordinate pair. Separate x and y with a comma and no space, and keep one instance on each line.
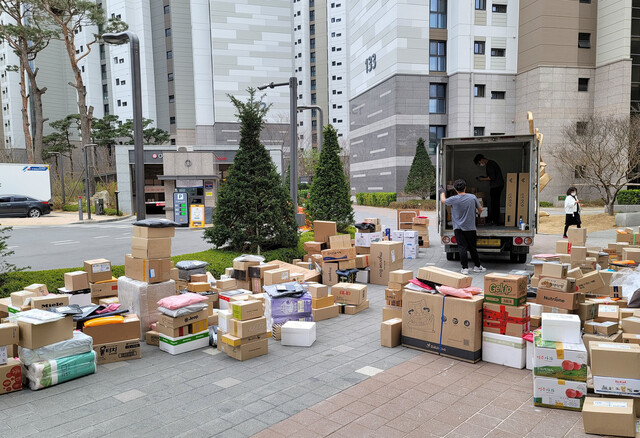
(495,194)
(467,242)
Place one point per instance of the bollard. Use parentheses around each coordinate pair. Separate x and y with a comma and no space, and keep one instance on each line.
(80,207)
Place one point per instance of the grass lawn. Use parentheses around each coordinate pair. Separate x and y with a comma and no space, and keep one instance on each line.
(593,222)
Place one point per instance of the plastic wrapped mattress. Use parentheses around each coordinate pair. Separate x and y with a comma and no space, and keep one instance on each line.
(142,299)
(80,343)
(51,372)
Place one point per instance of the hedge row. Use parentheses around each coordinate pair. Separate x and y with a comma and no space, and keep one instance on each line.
(74,207)
(628,197)
(376,199)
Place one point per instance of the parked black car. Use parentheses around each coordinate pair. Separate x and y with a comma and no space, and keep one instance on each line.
(18,205)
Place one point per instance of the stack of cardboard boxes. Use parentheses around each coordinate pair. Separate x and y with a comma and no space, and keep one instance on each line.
(505,320)
(186,331)
(364,238)
(409,240)
(517,199)
(76,285)
(393,293)
(246,335)
(421,225)
(322,304)
(117,341)
(103,285)
(338,260)
(350,297)
(10,369)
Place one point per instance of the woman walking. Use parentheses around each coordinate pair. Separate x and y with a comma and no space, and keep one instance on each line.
(572,210)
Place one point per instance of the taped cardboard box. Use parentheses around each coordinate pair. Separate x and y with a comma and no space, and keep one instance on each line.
(615,360)
(76,280)
(117,351)
(244,310)
(457,335)
(153,232)
(562,300)
(349,293)
(142,299)
(401,276)
(34,336)
(248,328)
(200,286)
(248,350)
(505,289)
(559,360)
(340,241)
(11,376)
(319,303)
(322,230)
(153,248)
(609,416)
(587,339)
(362,261)
(350,309)
(577,236)
(559,393)
(98,270)
(385,257)
(147,270)
(323,313)
(110,333)
(444,277)
(391,332)
(631,325)
(506,320)
(590,282)
(563,247)
(50,301)
(601,328)
(330,274)
(103,289)
(276,276)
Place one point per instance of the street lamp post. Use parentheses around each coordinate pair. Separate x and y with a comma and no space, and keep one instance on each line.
(138,140)
(319,108)
(86,177)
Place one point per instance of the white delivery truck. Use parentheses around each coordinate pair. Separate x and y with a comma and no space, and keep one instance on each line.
(32,180)
(515,154)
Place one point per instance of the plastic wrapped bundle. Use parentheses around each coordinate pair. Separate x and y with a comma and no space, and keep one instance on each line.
(51,372)
(287,308)
(187,268)
(80,343)
(142,299)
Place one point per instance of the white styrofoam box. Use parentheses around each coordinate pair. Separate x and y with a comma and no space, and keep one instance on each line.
(362,276)
(397,236)
(485,212)
(535,309)
(530,349)
(83,299)
(366,239)
(411,236)
(410,251)
(504,350)
(223,319)
(3,355)
(142,299)
(223,297)
(559,327)
(183,344)
(298,333)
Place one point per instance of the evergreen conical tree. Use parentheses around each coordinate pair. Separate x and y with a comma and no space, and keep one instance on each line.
(422,175)
(329,198)
(253,210)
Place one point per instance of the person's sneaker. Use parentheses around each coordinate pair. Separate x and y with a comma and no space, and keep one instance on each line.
(464,271)
(564,237)
(479,269)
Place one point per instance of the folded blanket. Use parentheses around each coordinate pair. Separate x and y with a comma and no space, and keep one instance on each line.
(51,372)
(80,343)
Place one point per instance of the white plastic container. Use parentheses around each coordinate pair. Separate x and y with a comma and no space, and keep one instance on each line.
(530,349)
(504,350)
(535,309)
(397,236)
(223,320)
(559,327)
(298,333)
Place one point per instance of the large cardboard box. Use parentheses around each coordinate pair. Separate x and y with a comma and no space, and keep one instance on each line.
(329,273)
(577,236)
(76,280)
(506,320)
(34,336)
(105,288)
(11,376)
(322,230)
(562,300)
(110,333)
(338,254)
(391,332)
(147,270)
(248,328)
(183,320)
(558,393)
(559,360)
(609,416)
(276,276)
(610,359)
(117,351)
(511,202)
(50,301)
(325,312)
(385,257)
(340,241)
(9,333)
(39,289)
(349,293)
(153,233)
(98,270)
(445,277)
(458,334)
(523,197)
(505,289)
(247,350)
(590,282)
(158,248)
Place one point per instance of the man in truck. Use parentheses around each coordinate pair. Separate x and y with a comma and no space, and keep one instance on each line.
(463,214)
(496,185)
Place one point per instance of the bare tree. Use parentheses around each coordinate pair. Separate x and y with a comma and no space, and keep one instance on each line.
(604,151)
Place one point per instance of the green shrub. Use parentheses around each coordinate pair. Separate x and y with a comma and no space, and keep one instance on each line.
(376,199)
(303,186)
(74,207)
(546,204)
(422,204)
(303,196)
(628,197)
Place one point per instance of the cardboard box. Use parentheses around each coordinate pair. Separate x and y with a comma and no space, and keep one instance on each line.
(153,233)
(244,310)
(590,282)
(630,338)
(318,290)
(457,335)
(561,328)
(559,360)
(608,312)
(554,270)
(349,293)
(327,312)
(9,333)
(523,197)
(391,332)
(504,350)
(246,351)
(574,273)
(609,416)
(616,385)
(34,336)
(314,247)
(361,250)
(362,261)
(631,325)
(276,276)
(562,300)
(365,240)
(578,253)
(340,241)
(184,320)
(393,296)
(563,247)
(390,312)
(350,309)
(349,264)
(258,271)
(247,328)
(152,337)
(615,291)
(401,276)
(610,359)
(117,351)
(198,278)
(226,284)
(559,284)
(98,270)
(319,303)
(108,334)
(601,328)
(39,289)
(201,286)
(155,248)
(76,280)
(50,301)
(505,289)
(105,288)
(577,236)
(631,254)
(147,270)
(385,257)
(11,376)
(20,298)
(587,339)
(184,343)
(445,277)
(338,255)
(558,393)
(511,202)
(322,230)
(234,341)
(506,320)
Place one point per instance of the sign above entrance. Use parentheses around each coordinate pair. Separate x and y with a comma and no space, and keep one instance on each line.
(188,183)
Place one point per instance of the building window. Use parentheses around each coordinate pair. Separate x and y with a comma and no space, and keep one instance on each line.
(119,102)
(313,84)
(106,110)
(312,15)
(312,29)
(581,128)
(436,133)
(437,98)
(497,95)
(438,14)
(583,84)
(313,57)
(498,52)
(173,141)
(313,71)
(169,54)
(170,77)
(478,90)
(172,98)
(585,1)
(167,9)
(313,98)
(478,47)
(499,8)
(124,103)
(117,81)
(584,40)
(481,5)
(437,56)
(312,43)
(172,120)
(167,32)
(478,131)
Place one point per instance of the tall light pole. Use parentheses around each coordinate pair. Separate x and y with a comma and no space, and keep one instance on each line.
(86,177)
(138,139)
(319,109)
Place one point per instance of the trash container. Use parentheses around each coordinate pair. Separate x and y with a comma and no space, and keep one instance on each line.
(99,206)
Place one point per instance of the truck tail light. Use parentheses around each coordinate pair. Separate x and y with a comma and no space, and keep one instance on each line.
(454,240)
(528,241)
(446,239)
(518,240)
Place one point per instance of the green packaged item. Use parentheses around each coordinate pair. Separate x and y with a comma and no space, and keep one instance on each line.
(51,372)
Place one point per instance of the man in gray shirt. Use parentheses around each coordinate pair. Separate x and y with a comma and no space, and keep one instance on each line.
(463,213)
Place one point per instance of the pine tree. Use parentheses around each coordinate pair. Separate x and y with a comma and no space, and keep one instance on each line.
(422,175)
(329,198)
(253,210)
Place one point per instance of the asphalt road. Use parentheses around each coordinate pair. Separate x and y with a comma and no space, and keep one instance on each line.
(65,246)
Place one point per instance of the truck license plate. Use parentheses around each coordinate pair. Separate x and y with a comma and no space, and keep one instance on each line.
(488,242)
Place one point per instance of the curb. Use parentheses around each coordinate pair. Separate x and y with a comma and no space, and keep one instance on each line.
(93,221)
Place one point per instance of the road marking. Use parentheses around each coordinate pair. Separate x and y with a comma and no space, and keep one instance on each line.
(121,238)
(99,237)
(12,247)
(62,241)
(71,242)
